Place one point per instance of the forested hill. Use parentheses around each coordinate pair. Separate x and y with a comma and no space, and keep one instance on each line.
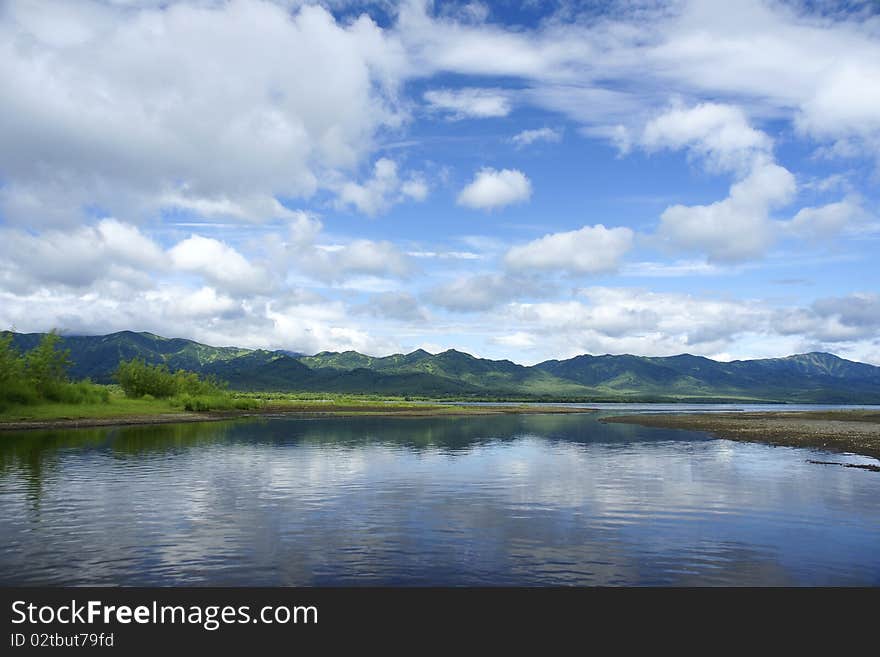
(812,377)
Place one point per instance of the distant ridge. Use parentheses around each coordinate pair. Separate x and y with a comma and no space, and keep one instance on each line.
(811,377)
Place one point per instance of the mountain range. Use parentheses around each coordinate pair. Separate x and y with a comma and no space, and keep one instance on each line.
(811,377)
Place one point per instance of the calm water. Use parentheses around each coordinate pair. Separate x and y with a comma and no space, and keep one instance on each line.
(534,500)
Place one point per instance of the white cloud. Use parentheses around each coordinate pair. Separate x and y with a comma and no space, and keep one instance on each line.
(415,188)
(290,322)
(720,134)
(469,103)
(478,292)
(202,303)
(519,340)
(370,257)
(383,190)
(197,105)
(845,103)
(834,319)
(627,320)
(638,321)
(610,73)
(471,293)
(492,189)
(527,137)
(825,221)
(245,207)
(737,228)
(443,255)
(79,256)
(219,263)
(392,306)
(333,263)
(589,250)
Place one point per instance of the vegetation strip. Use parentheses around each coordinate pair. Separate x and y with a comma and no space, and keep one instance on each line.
(301,410)
(855,431)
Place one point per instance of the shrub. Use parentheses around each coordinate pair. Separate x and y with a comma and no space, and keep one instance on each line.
(45,367)
(83,392)
(40,375)
(217,402)
(138,379)
(191,383)
(11,362)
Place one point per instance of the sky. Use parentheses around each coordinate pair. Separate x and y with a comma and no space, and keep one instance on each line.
(516,179)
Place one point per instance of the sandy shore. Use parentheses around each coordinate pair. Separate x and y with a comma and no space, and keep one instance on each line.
(852,431)
(298,410)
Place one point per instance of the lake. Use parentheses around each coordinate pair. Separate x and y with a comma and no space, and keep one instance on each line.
(491,500)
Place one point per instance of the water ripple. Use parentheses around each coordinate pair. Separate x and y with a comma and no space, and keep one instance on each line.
(528,500)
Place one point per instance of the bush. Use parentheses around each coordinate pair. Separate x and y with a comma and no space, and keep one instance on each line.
(11,363)
(138,379)
(216,402)
(45,367)
(191,383)
(83,392)
(41,375)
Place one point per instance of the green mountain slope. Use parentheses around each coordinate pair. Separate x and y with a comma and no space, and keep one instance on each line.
(813,377)
(95,357)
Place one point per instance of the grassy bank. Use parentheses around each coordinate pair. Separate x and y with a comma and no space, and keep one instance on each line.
(852,431)
(121,410)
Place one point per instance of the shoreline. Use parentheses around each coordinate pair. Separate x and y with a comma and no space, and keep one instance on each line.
(303,410)
(852,431)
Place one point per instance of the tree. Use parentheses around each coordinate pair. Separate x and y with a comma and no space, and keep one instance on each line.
(46,366)
(11,363)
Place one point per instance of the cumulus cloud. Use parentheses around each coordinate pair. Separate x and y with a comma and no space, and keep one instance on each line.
(519,340)
(367,257)
(826,220)
(300,324)
(383,189)
(219,263)
(610,73)
(469,103)
(844,105)
(589,250)
(631,320)
(472,293)
(194,105)
(77,257)
(834,319)
(333,263)
(478,292)
(527,137)
(737,228)
(719,134)
(492,189)
(741,226)
(395,306)
(203,303)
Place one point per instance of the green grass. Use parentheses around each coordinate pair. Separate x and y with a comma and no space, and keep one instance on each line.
(118,405)
(326,398)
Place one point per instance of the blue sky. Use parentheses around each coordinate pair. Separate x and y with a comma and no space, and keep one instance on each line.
(517,180)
